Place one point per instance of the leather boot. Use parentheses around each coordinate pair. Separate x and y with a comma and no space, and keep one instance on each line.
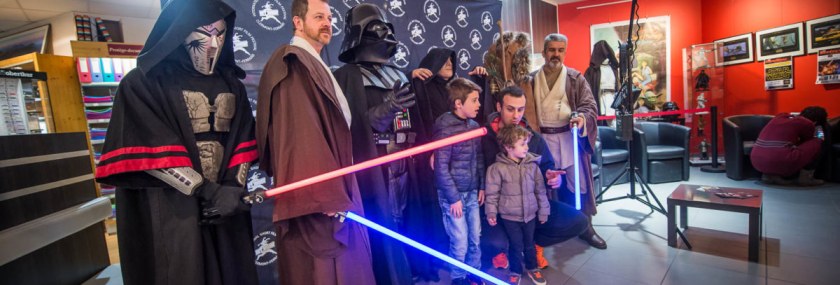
(775,179)
(806,178)
(592,238)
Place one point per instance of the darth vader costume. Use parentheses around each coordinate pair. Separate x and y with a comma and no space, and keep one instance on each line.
(384,120)
(178,147)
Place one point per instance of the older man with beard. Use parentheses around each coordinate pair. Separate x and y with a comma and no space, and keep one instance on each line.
(559,93)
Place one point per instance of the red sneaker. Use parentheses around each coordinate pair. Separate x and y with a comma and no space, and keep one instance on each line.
(513,279)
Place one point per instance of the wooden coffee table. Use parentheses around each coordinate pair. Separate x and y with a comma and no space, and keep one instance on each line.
(704,197)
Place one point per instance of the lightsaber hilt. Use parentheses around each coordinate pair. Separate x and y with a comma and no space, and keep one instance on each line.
(575,137)
(421,247)
(255,197)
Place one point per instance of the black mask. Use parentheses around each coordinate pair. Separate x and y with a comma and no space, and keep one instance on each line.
(369,37)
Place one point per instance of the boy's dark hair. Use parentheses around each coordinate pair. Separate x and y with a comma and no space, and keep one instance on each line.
(511,91)
(816,114)
(300,7)
(508,135)
(460,89)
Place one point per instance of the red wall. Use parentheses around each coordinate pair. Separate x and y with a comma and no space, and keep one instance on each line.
(744,85)
(685,30)
(703,21)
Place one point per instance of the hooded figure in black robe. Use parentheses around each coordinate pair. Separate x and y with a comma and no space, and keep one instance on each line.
(601,53)
(178,146)
(384,120)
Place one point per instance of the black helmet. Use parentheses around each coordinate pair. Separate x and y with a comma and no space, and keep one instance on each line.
(670,106)
(357,20)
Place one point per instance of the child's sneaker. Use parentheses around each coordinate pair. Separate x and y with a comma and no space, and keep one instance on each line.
(500,261)
(514,278)
(536,276)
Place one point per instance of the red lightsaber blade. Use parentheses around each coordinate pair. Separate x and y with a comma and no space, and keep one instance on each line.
(259,196)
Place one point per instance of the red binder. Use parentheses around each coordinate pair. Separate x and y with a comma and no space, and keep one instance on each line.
(83,66)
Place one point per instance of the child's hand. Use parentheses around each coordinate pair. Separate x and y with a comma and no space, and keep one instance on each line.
(457,209)
(481,197)
(491,221)
(542,221)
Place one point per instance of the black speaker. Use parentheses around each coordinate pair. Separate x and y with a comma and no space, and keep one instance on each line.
(624,126)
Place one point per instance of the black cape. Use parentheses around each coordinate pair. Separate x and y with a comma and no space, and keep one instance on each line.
(161,241)
(390,265)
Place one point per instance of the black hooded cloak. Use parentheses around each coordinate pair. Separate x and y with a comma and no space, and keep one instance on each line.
(161,241)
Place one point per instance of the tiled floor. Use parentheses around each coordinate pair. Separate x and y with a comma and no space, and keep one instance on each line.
(801,229)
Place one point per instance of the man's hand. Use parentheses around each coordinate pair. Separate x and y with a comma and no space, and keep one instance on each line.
(553,178)
(481,197)
(579,120)
(478,70)
(331,214)
(457,209)
(421,73)
(491,221)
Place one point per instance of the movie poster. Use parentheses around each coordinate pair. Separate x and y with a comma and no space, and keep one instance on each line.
(778,73)
(828,61)
(651,66)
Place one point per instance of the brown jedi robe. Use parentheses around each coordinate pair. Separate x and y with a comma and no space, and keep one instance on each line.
(582,101)
(301,133)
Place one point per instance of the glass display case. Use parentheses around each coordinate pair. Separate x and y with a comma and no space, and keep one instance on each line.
(703,79)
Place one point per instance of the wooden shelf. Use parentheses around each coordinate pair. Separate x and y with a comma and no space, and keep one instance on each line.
(104,104)
(101,84)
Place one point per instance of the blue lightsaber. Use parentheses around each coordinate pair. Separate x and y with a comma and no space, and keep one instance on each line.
(420,246)
(575,135)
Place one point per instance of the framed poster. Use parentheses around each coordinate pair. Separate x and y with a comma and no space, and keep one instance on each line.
(29,41)
(651,67)
(828,66)
(823,33)
(737,49)
(779,42)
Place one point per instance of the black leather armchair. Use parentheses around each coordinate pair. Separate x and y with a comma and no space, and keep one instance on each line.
(613,156)
(739,135)
(663,152)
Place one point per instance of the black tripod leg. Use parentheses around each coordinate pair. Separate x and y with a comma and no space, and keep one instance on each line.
(598,198)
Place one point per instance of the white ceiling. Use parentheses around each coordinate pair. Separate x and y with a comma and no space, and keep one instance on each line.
(18,13)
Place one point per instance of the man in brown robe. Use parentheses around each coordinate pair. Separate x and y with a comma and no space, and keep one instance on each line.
(558,92)
(303,129)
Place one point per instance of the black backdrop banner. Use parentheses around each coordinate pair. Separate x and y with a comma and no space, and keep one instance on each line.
(465,26)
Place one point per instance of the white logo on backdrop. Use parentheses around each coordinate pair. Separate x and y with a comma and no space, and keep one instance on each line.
(430,49)
(432,10)
(396,8)
(352,3)
(464,59)
(244,45)
(270,14)
(495,37)
(475,39)
(447,34)
(462,14)
(265,251)
(337,21)
(486,21)
(416,29)
(401,56)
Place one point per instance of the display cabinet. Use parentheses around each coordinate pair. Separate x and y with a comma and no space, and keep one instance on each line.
(703,80)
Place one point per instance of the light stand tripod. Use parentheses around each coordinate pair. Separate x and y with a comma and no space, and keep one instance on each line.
(624,102)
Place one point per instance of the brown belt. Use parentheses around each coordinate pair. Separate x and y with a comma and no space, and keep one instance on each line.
(549,130)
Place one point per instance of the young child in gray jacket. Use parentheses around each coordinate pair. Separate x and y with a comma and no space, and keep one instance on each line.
(515,190)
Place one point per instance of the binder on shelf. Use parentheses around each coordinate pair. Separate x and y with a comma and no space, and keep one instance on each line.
(83,66)
(107,69)
(95,69)
(118,69)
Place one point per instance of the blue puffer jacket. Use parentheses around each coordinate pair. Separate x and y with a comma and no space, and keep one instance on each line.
(458,167)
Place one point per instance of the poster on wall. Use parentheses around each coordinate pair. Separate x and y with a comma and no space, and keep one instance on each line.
(651,66)
(780,42)
(828,61)
(737,49)
(778,73)
(823,33)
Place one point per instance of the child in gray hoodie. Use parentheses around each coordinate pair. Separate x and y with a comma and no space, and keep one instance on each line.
(515,190)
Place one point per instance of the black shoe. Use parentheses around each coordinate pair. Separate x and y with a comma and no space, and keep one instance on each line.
(593,239)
